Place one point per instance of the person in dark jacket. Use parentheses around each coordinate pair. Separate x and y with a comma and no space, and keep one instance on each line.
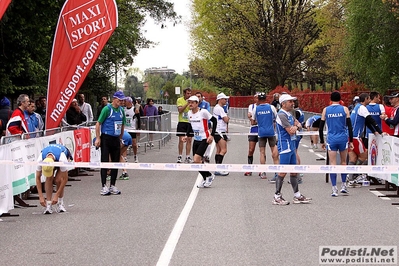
(5,114)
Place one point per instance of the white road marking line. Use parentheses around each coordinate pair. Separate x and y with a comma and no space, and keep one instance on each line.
(169,248)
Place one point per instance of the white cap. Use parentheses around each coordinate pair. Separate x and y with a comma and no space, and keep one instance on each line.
(356,98)
(286,97)
(193,98)
(222,96)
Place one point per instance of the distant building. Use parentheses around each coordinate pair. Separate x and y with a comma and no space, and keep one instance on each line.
(166,73)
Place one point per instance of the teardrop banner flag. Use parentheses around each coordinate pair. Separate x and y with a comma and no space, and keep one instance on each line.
(83,29)
(3,6)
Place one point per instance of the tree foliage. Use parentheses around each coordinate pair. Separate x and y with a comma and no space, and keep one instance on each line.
(27,31)
(373,30)
(251,45)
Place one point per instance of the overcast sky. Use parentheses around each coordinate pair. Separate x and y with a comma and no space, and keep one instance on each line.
(173,49)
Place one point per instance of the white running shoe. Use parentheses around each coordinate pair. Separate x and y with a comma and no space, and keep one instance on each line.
(105,191)
(188,160)
(114,190)
(201,184)
(136,159)
(278,200)
(61,207)
(334,192)
(179,159)
(209,181)
(48,210)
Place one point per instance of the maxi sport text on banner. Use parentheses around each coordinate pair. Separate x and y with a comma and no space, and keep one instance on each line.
(3,7)
(83,29)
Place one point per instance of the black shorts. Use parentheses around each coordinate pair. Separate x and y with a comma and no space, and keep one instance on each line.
(218,136)
(253,138)
(132,134)
(199,147)
(316,124)
(183,128)
(263,140)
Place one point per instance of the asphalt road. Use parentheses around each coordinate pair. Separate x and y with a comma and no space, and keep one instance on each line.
(161,217)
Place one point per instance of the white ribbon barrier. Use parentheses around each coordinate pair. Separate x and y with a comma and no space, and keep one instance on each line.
(299,133)
(269,168)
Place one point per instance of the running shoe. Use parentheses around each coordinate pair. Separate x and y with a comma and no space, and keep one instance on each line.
(136,159)
(152,144)
(273,179)
(207,159)
(148,145)
(248,173)
(221,173)
(278,200)
(188,160)
(301,199)
(201,184)
(179,159)
(114,190)
(60,207)
(344,190)
(263,175)
(353,184)
(48,210)
(209,181)
(105,191)
(124,176)
(361,178)
(334,192)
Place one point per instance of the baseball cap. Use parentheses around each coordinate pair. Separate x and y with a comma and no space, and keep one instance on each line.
(394,94)
(286,97)
(129,99)
(119,95)
(356,98)
(47,170)
(261,96)
(222,96)
(193,98)
(74,100)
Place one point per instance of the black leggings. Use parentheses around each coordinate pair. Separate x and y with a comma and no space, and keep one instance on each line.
(199,148)
(110,148)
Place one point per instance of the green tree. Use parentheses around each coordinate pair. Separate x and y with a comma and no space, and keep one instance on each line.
(251,45)
(373,43)
(27,32)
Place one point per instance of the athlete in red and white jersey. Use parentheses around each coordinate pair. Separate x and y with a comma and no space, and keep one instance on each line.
(198,118)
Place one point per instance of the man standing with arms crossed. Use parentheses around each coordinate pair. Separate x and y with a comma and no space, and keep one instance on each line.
(221,130)
(184,126)
(286,128)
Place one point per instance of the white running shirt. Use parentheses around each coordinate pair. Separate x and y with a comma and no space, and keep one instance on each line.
(219,113)
(199,123)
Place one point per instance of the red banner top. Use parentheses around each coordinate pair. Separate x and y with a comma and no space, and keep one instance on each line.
(83,29)
(3,6)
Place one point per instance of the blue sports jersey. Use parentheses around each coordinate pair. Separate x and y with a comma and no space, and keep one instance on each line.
(113,124)
(375,112)
(265,116)
(358,118)
(56,150)
(205,105)
(337,131)
(286,143)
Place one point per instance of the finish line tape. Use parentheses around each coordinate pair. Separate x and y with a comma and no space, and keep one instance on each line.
(268,168)
(299,133)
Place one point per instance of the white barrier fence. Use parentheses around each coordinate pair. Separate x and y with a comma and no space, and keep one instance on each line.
(18,165)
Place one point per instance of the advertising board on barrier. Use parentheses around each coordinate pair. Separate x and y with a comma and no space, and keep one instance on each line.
(18,178)
(384,151)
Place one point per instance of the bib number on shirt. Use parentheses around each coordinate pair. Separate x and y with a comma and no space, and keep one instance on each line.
(118,127)
(197,135)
